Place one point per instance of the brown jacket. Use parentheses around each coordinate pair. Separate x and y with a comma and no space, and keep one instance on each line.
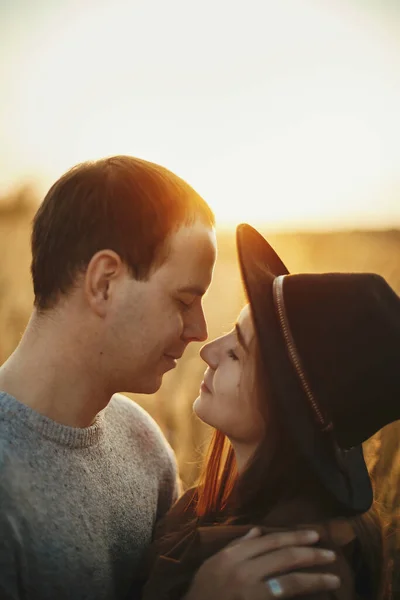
(174,559)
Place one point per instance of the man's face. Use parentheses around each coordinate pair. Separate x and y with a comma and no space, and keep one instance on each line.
(151,322)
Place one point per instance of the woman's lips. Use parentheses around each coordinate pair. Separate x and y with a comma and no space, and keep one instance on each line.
(205,388)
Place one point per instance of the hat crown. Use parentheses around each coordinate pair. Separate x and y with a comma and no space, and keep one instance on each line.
(346,328)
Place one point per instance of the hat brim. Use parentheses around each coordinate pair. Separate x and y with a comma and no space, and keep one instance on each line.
(345,476)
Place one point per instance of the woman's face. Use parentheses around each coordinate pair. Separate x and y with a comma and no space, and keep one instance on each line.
(228,395)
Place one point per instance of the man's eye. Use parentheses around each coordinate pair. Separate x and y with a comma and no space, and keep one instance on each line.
(232,355)
(184,304)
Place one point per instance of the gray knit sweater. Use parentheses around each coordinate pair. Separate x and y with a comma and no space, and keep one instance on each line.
(78,506)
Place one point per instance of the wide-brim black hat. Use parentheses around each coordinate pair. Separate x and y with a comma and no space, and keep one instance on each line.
(330,345)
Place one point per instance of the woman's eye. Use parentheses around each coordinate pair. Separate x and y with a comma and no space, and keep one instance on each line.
(232,355)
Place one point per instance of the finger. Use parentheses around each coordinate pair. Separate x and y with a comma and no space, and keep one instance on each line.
(251,534)
(244,549)
(284,560)
(297,584)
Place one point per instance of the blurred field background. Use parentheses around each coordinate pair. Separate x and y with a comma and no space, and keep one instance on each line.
(375,251)
(296,101)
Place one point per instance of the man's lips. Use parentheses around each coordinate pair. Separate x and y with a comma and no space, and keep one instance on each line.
(174,356)
(170,361)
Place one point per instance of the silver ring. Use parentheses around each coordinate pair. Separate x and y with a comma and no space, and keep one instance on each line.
(274,587)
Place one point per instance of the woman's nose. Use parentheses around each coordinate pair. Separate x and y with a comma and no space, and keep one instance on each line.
(209,354)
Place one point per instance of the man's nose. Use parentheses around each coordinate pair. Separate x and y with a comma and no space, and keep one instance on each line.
(196,329)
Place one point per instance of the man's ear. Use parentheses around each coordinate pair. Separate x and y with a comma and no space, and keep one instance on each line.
(103,269)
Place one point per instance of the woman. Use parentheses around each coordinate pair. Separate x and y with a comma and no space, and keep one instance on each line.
(292,391)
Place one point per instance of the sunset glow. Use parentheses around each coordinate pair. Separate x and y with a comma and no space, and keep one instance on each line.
(283,112)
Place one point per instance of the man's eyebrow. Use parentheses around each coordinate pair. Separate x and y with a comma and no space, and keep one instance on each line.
(192,289)
(241,337)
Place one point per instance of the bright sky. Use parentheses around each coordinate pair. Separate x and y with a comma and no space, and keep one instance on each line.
(276,111)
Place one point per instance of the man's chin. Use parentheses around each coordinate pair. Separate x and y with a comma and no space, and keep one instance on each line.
(147,387)
(152,383)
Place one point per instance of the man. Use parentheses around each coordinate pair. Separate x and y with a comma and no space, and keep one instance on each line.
(122,254)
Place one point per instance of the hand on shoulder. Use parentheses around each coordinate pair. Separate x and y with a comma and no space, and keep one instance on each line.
(243,570)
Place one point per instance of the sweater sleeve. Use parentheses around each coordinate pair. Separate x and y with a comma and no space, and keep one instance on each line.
(12,561)
(148,441)
(11,556)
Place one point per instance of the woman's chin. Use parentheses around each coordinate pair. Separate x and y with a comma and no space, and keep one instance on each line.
(201,412)
(196,406)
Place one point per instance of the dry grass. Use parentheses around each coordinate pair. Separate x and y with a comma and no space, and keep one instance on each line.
(172,406)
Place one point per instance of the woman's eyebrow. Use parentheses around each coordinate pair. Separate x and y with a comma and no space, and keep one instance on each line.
(241,337)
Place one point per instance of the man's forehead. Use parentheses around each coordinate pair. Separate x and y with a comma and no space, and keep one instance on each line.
(195,242)
(191,260)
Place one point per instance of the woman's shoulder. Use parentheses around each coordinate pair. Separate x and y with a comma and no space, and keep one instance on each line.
(299,510)
(333,526)
(183,511)
(185,504)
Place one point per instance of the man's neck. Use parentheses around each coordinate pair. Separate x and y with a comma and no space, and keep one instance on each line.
(53,379)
